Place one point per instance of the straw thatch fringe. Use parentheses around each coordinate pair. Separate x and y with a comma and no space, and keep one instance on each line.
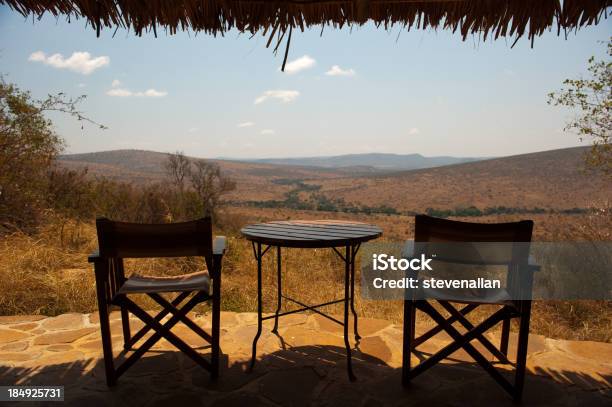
(497,18)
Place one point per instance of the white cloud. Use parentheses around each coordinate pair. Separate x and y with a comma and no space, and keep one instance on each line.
(284,96)
(80,62)
(119,92)
(245,124)
(152,93)
(116,83)
(267,132)
(337,71)
(81,85)
(299,64)
(413,131)
(37,56)
(192,130)
(149,93)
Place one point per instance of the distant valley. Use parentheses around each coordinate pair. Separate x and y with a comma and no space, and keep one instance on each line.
(552,179)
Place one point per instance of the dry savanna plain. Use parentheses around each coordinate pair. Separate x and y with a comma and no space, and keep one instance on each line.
(565,201)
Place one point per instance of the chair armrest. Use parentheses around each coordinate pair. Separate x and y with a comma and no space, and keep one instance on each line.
(531,265)
(219,245)
(94,257)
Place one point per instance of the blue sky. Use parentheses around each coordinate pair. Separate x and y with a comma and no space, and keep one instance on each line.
(425,92)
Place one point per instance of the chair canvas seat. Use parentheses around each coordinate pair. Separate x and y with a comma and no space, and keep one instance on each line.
(199,281)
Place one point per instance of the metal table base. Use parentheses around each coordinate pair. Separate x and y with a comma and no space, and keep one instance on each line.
(350,251)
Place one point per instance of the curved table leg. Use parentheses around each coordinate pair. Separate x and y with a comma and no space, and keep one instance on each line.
(353,252)
(347,274)
(279,289)
(259,306)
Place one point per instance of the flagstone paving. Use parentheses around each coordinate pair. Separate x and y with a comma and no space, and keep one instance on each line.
(302,366)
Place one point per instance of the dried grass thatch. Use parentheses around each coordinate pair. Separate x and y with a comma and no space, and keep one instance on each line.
(497,18)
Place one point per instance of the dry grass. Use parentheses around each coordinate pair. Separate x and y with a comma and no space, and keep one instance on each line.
(48,274)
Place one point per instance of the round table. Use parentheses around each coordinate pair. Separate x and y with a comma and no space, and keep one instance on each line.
(334,234)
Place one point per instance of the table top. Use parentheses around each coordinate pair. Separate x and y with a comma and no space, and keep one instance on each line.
(311,233)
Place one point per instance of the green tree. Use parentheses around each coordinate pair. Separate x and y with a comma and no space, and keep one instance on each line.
(28,148)
(592,98)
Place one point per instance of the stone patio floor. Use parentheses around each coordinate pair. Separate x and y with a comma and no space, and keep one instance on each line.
(304,365)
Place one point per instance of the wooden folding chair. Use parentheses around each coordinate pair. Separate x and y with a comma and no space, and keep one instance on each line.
(119,240)
(520,272)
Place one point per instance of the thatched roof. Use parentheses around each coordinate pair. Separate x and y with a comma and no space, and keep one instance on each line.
(497,18)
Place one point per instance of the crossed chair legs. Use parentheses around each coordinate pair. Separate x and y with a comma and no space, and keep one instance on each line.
(504,315)
(161,330)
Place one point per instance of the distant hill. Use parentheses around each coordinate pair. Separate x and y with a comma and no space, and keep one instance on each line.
(143,165)
(380,161)
(123,165)
(548,179)
(255,181)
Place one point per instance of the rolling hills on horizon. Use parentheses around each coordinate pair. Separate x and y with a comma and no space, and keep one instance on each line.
(139,166)
(379,161)
(367,162)
(554,179)
(549,179)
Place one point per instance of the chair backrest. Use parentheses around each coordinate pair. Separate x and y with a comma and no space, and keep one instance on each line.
(136,240)
(509,242)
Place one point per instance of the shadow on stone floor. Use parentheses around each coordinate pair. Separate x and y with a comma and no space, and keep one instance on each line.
(297,376)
